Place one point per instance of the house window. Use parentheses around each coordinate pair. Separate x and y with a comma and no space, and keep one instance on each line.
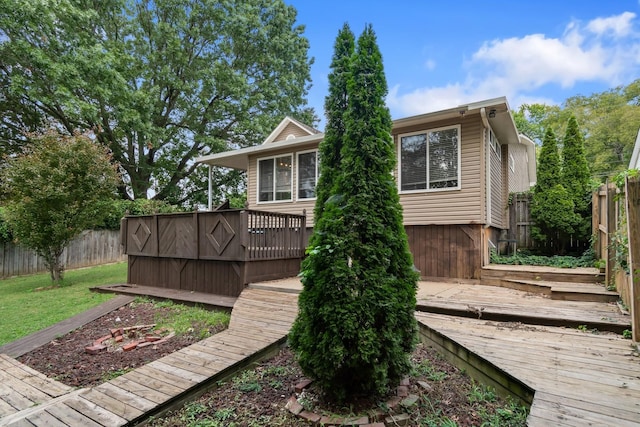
(274,179)
(495,144)
(512,163)
(307,174)
(430,160)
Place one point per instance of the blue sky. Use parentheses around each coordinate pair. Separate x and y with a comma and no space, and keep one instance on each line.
(440,54)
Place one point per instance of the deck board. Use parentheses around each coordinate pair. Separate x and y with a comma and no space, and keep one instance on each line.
(579,378)
(556,362)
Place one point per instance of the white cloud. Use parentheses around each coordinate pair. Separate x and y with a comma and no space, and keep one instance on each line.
(516,67)
(430,64)
(618,26)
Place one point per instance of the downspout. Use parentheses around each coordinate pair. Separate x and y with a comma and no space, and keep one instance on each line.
(485,122)
(486,143)
(210,191)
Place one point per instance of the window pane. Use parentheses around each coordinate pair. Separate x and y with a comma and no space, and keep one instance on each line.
(265,178)
(413,158)
(307,175)
(283,178)
(443,158)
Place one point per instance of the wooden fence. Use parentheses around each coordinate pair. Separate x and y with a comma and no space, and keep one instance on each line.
(616,220)
(93,247)
(520,224)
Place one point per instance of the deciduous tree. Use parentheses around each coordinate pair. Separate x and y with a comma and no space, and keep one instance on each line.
(158,82)
(356,328)
(57,188)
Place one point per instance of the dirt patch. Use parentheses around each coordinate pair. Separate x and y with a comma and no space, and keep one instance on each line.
(66,359)
(258,397)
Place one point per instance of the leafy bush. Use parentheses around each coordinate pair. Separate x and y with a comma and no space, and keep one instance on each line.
(5,230)
(117,209)
(587,259)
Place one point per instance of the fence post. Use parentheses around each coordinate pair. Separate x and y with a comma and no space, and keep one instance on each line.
(595,221)
(632,198)
(611,228)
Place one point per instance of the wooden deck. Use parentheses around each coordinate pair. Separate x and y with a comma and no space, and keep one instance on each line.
(259,324)
(177,295)
(579,378)
(571,378)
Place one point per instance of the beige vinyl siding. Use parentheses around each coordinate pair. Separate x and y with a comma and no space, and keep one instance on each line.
(290,207)
(519,177)
(442,207)
(291,129)
(497,200)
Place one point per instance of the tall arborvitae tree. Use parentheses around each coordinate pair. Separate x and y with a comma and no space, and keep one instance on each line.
(552,208)
(356,328)
(335,105)
(576,178)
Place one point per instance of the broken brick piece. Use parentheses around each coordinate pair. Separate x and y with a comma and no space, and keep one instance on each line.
(130,346)
(95,349)
(119,338)
(101,340)
(116,332)
(293,406)
(302,384)
(152,338)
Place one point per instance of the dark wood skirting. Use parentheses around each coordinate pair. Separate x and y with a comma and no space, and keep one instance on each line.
(214,252)
(452,251)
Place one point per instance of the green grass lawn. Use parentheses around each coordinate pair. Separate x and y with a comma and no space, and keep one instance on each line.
(29,303)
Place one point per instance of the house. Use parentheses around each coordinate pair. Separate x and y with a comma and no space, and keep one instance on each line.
(455,170)
(635,156)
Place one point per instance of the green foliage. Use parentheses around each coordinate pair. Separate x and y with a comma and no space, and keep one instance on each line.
(55,190)
(552,208)
(335,105)
(159,82)
(116,209)
(30,304)
(587,259)
(576,178)
(355,327)
(609,120)
(184,319)
(5,228)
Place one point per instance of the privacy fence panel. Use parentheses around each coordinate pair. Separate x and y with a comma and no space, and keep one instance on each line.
(93,247)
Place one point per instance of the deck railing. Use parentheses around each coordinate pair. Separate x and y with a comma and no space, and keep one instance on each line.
(229,235)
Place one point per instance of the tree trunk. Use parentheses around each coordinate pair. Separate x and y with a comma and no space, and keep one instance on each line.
(53,261)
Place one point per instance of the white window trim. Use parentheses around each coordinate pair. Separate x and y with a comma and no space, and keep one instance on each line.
(512,163)
(274,179)
(429,190)
(297,166)
(495,144)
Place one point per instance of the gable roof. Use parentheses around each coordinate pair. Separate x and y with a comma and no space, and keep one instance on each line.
(277,132)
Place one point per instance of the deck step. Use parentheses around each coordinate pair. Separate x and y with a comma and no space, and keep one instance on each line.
(567,291)
(495,272)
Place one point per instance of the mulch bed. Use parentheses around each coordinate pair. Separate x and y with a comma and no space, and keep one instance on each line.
(66,360)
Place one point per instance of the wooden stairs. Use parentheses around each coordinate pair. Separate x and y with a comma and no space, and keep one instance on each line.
(585,284)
